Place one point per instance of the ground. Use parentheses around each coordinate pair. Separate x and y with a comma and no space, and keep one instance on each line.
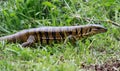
(96,53)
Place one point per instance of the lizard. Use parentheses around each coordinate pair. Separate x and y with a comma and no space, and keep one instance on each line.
(50,34)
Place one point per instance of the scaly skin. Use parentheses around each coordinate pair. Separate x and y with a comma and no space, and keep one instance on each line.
(49,34)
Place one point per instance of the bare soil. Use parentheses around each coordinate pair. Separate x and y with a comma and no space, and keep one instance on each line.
(110,65)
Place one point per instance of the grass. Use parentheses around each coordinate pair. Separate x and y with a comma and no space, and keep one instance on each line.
(16,15)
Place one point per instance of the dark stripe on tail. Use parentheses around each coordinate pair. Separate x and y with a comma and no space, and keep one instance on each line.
(69,31)
(54,36)
(47,37)
(76,31)
(62,34)
(81,31)
(40,35)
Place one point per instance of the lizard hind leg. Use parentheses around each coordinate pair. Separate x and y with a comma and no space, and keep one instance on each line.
(29,41)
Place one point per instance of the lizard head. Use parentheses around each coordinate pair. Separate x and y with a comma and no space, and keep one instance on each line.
(94,29)
(98,29)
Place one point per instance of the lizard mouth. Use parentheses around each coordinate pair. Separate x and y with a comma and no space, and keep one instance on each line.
(102,30)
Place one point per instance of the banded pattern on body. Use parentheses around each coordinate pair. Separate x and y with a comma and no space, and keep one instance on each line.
(56,34)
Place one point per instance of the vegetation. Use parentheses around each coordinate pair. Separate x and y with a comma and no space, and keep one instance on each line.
(16,15)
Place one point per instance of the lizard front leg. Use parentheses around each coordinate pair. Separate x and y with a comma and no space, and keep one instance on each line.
(29,41)
(72,39)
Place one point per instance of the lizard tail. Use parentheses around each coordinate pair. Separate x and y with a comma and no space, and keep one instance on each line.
(9,38)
